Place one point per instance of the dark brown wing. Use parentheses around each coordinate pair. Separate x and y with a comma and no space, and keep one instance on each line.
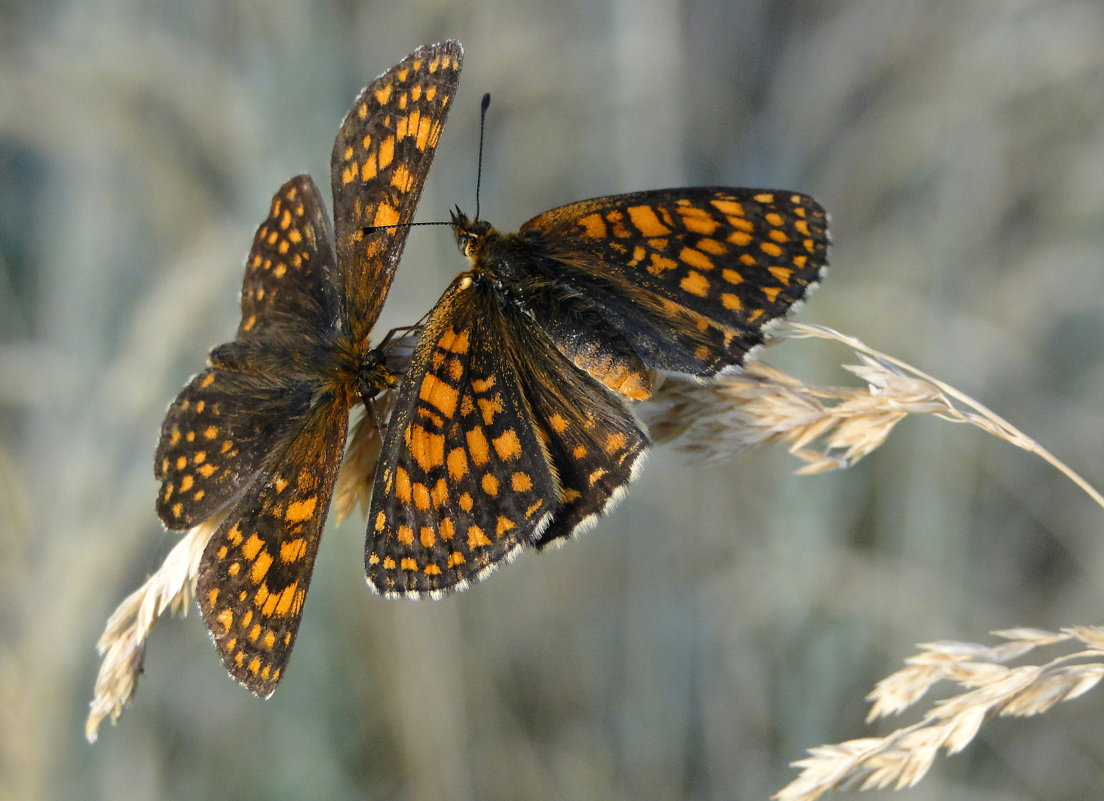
(380,161)
(221,426)
(708,266)
(496,442)
(255,570)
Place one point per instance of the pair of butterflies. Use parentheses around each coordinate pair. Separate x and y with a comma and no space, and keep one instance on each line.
(511,427)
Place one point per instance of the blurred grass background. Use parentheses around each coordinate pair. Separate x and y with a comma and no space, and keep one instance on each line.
(723,619)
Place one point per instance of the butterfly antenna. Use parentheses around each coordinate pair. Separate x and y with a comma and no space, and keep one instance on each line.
(479,163)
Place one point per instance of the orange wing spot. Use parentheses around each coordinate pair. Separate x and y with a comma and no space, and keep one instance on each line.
(638,255)
(373,558)
(432,570)
(402,485)
(558,422)
(381,521)
(402,179)
(427,133)
(301,511)
(521,482)
(476,537)
(748,259)
(533,508)
(254,633)
(489,484)
(385,215)
(386,153)
(295,238)
(489,408)
(802,227)
(207,381)
(260,568)
(405,535)
(167,493)
(226,445)
(809,244)
(596,476)
(254,665)
(253,546)
(771,292)
(658,265)
(697,221)
(732,276)
(774,218)
(349,173)
(507,446)
(800,261)
(421,496)
(234,535)
(764,197)
(695,283)
(383,97)
(190,436)
(755,314)
(388,563)
(646,221)
(770,249)
(570,495)
(710,245)
(174,437)
(579,452)
(269,641)
(225,619)
(502,525)
(616,442)
(455,369)
(739,238)
(466,502)
(477,446)
(181,462)
(446,528)
(293,550)
(593,226)
(457,464)
(279,271)
(234,568)
(280,483)
(427,449)
(454,341)
(199,457)
(212,596)
(782,274)
(439,494)
(455,558)
(198,495)
(408,563)
(210,432)
(483,385)
(426,536)
(695,258)
(730,208)
(186,483)
(730,301)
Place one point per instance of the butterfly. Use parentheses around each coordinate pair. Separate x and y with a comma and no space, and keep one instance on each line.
(512,427)
(257,437)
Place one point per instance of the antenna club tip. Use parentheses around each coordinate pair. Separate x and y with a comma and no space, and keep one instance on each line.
(485,102)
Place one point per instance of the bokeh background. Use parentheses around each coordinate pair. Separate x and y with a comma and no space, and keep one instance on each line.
(724,618)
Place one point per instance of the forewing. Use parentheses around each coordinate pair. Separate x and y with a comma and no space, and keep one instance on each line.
(290,274)
(713,264)
(464,478)
(380,160)
(256,569)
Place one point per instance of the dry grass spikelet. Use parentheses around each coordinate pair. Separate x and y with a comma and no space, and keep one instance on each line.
(989,687)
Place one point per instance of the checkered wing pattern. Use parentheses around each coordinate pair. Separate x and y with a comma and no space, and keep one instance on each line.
(219,429)
(255,571)
(496,439)
(688,276)
(380,160)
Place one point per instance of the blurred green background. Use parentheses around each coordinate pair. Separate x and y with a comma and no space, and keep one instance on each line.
(724,618)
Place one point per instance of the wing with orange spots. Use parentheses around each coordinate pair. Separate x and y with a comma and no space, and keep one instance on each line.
(380,161)
(497,442)
(256,569)
(290,273)
(463,479)
(689,276)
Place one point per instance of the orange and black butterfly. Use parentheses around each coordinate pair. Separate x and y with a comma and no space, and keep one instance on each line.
(511,427)
(258,436)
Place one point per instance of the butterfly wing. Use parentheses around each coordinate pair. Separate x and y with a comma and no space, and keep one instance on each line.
(221,426)
(256,568)
(380,160)
(689,276)
(463,478)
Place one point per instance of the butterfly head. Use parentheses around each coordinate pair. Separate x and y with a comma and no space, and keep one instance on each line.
(469,233)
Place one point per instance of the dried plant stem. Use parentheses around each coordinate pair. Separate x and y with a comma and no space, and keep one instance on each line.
(987,419)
